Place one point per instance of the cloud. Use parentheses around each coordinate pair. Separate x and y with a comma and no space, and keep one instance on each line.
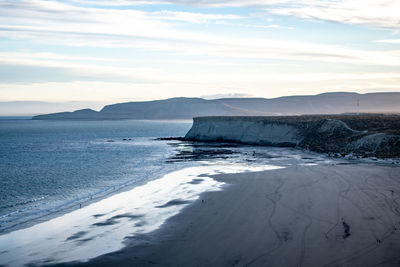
(75,70)
(114,91)
(376,13)
(388,41)
(201,3)
(195,44)
(50,22)
(226,95)
(25,11)
(66,68)
(260,26)
(118,3)
(192,17)
(4,56)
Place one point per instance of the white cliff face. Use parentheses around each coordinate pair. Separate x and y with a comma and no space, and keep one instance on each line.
(245,131)
(321,135)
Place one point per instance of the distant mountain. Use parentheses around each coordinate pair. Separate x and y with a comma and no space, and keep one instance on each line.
(187,108)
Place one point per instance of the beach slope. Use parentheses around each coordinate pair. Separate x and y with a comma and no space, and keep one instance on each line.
(320,215)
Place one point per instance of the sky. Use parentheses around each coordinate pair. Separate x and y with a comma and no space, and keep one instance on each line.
(98,52)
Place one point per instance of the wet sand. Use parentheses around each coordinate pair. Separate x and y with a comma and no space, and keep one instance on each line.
(322,215)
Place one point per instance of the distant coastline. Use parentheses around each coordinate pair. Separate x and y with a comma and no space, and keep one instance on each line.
(182,108)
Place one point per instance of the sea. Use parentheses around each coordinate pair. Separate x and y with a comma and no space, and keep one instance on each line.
(50,165)
(75,190)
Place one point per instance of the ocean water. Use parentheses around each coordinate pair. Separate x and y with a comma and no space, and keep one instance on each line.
(74,190)
(46,166)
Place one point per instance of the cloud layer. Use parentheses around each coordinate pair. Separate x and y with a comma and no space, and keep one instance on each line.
(63,24)
(380,13)
(173,48)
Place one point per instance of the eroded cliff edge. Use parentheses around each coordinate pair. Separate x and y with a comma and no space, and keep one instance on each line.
(364,135)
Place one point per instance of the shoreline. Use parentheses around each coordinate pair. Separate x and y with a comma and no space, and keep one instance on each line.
(85,201)
(101,227)
(323,215)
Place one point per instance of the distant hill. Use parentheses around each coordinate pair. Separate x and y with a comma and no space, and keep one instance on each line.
(187,108)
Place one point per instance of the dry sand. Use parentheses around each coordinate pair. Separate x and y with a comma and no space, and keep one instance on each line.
(341,215)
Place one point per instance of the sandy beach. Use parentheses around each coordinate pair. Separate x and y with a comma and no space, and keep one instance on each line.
(316,215)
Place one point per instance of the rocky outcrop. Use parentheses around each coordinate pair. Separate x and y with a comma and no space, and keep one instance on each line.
(317,133)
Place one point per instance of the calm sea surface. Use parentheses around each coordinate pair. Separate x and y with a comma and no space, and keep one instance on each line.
(48,165)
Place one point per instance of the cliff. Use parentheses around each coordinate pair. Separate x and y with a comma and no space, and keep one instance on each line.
(366,135)
(187,108)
